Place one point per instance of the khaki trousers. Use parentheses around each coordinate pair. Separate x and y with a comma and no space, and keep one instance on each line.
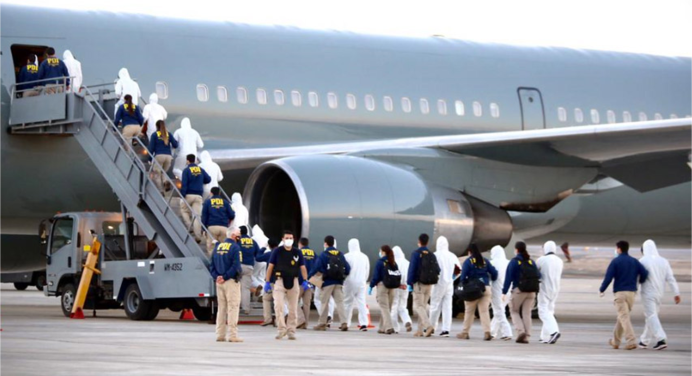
(246,285)
(520,305)
(131,131)
(165,162)
(385,298)
(336,292)
(30,93)
(624,300)
(267,300)
(195,202)
(470,312)
(218,233)
(54,88)
(281,294)
(228,298)
(304,314)
(421,297)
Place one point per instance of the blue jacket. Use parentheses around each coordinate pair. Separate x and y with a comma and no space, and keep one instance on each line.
(323,261)
(379,272)
(413,267)
(53,68)
(514,272)
(194,179)
(262,255)
(217,212)
(158,147)
(225,261)
(28,73)
(469,270)
(309,256)
(128,119)
(626,270)
(249,248)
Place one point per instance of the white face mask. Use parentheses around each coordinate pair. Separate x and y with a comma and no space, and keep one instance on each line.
(382,254)
(288,242)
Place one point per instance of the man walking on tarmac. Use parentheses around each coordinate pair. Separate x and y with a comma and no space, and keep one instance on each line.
(306,295)
(216,217)
(423,273)
(334,268)
(249,248)
(194,178)
(286,270)
(225,270)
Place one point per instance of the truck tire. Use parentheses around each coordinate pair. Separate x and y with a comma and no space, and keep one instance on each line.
(40,282)
(67,298)
(153,311)
(21,286)
(201,313)
(136,308)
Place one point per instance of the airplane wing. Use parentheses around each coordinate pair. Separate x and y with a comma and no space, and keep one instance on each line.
(644,155)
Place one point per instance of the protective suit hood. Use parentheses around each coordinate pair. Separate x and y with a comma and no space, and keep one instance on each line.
(67,55)
(153,98)
(354,246)
(237,198)
(360,265)
(398,254)
(549,247)
(259,237)
(205,157)
(442,244)
(185,124)
(650,249)
(123,74)
(498,254)
(447,261)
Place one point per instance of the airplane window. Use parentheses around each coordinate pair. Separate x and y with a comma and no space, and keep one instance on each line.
(424,106)
(626,117)
(296,98)
(477,109)
(442,107)
(370,102)
(494,110)
(351,101)
(642,116)
(406,104)
(459,106)
(578,115)
(261,96)
(332,100)
(388,104)
(162,90)
(611,117)
(674,116)
(562,114)
(202,93)
(658,116)
(595,117)
(241,95)
(222,94)
(313,99)
(279,97)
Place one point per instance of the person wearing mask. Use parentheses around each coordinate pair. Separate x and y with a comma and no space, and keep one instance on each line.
(653,290)
(306,295)
(286,268)
(334,268)
(216,217)
(550,267)
(423,273)
(499,326)
(387,279)
(441,300)
(160,146)
(153,112)
(565,249)
(627,271)
(29,73)
(128,113)
(524,278)
(190,141)
(477,269)
(53,67)
(355,284)
(74,69)
(249,248)
(124,85)
(242,215)
(262,257)
(214,172)
(400,303)
(194,178)
(225,270)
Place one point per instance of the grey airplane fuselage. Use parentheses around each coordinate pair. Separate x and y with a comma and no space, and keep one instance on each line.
(45,175)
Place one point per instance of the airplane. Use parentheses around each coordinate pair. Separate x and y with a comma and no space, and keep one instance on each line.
(374,137)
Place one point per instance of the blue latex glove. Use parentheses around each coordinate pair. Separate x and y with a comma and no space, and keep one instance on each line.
(369,290)
(410,288)
(267,287)
(305,285)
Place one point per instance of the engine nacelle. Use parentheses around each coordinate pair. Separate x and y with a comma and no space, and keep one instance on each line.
(376,202)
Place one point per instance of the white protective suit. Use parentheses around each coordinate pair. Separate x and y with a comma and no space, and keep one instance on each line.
(356,284)
(242,217)
(441,296)
(499,327)
(152,113)
(550,267)
(400,304)
(124,86)
(188,143)
(214,172)
(74,68)
(259,273)
(653,291)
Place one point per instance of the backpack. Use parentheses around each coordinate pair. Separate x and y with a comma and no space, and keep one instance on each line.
(471,289)
(392,276)
(529,281)
(429,270)
(336,270)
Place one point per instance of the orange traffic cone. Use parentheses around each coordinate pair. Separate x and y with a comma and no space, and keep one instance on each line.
(79,314)
(370,326)
(187,314)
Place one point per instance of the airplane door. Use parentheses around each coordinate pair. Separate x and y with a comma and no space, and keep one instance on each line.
(532,115)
